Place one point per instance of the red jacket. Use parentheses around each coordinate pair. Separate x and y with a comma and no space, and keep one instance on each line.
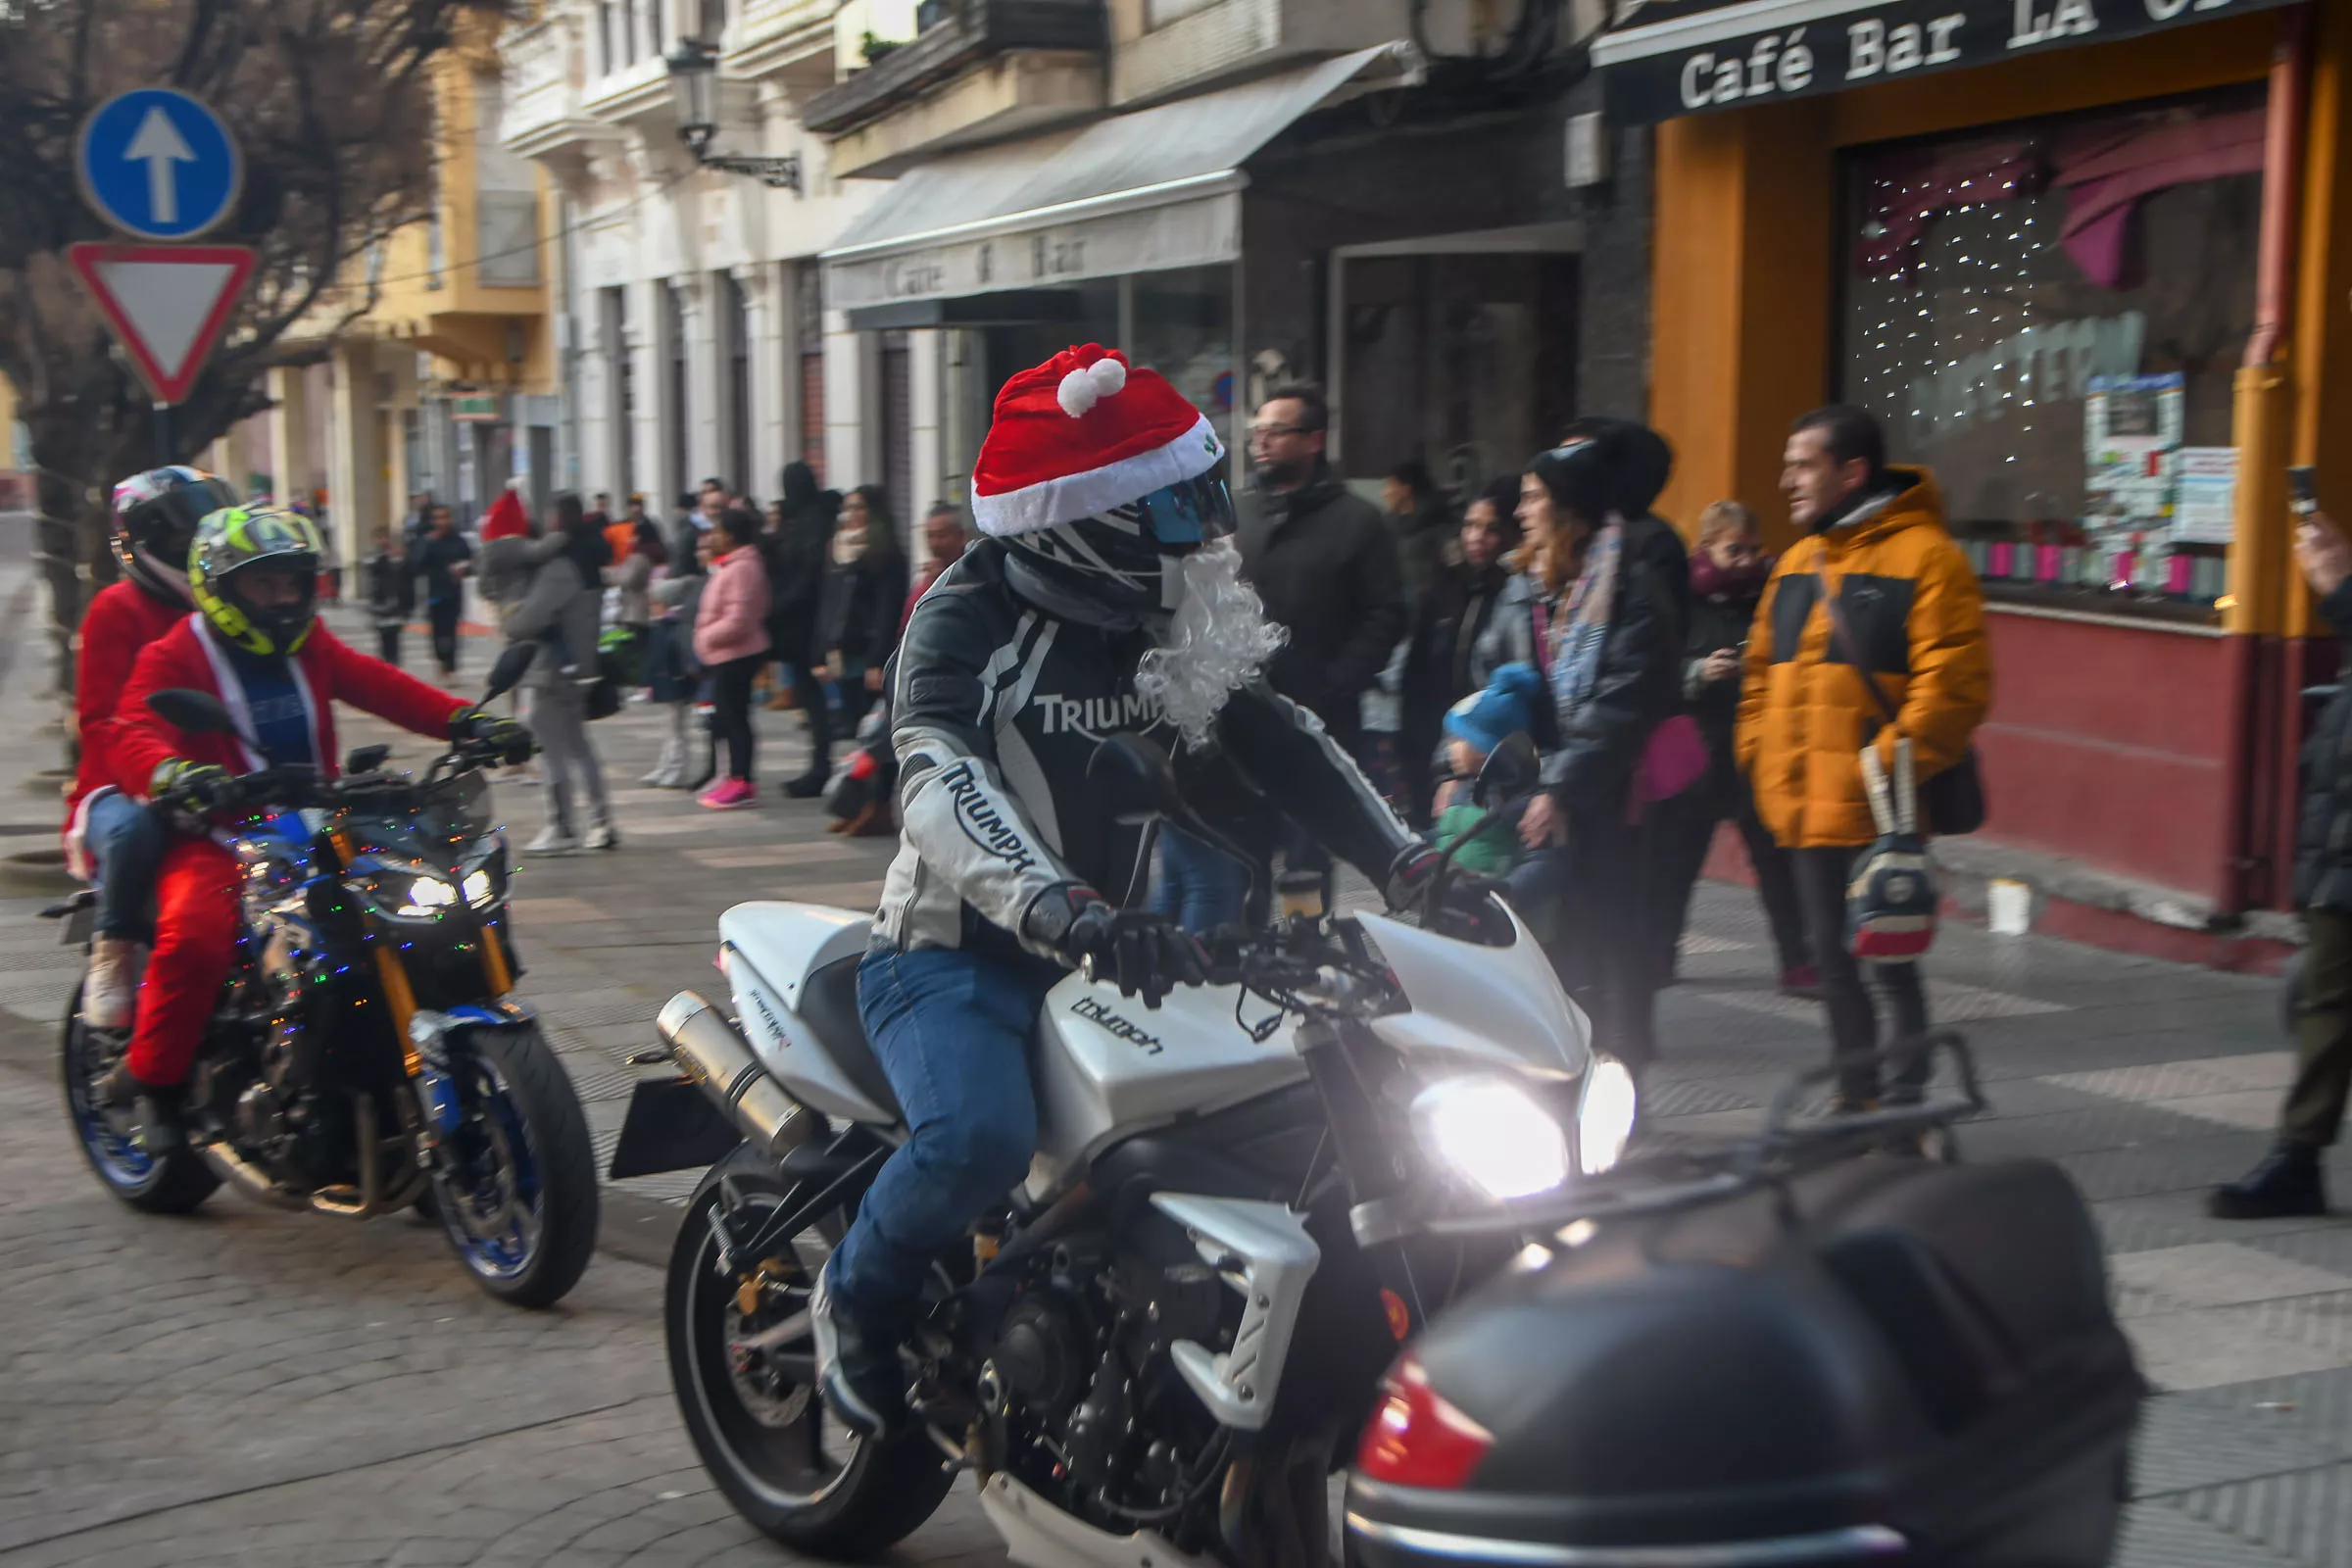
(330,671)
(114,630)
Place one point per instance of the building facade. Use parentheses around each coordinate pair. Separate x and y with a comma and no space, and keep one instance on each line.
(2087,261)
(690,325)
(1374,194)
(445,378)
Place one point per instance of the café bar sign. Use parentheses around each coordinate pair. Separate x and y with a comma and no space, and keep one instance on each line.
(1683,57)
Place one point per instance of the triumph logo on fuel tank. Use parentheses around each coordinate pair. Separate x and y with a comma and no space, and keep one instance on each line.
(1705,60)
(1095,1012)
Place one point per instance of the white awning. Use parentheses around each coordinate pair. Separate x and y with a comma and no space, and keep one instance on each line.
(1137,193)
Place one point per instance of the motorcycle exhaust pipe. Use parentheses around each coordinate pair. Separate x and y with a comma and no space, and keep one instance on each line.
(231,1167)
(715,1055)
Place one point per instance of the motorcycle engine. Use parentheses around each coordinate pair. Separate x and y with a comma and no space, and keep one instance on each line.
(1090,1408)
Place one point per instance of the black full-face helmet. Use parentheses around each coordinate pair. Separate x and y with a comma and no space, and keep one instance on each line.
(1128,559)
(155,518)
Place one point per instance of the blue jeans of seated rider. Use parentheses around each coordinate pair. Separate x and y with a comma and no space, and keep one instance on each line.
(1200,887)
(951,1030)
(128,845)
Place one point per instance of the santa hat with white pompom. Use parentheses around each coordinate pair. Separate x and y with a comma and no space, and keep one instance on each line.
(1081,435)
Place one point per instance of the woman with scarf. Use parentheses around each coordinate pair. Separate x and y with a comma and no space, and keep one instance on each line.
(1441,664)
(1599,607)
(1728,574)
(857,623)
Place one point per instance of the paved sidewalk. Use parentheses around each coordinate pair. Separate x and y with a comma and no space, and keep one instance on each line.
(253,1387)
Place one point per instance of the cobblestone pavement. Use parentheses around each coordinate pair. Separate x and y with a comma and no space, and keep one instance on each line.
(252,1386)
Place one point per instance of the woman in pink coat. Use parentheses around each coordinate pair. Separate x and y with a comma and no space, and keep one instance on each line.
(730,639)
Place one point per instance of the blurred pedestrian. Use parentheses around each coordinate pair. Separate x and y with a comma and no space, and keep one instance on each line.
(672,675)
(1729,569)
(857,621)
(944,540)
(2290,1181)
(1473,727)
(1325,562)
(442,558)
(730,641)
(559,609)
(1599,609)
(1441,664)
(1424,525)
(1875,539)
(803,534)
(391,593)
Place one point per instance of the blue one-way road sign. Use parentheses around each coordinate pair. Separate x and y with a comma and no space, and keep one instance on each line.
(158,164)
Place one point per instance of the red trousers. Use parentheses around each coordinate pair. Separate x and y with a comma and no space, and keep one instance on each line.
(195,938)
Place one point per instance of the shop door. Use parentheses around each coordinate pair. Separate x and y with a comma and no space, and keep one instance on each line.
(1465,361)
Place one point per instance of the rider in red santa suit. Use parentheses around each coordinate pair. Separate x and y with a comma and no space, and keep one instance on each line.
(110,838)
(256,644)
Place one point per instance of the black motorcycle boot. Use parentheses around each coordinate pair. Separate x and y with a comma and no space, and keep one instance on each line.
(858,1367)
(146,1113)
(809,785)
(2288,1184)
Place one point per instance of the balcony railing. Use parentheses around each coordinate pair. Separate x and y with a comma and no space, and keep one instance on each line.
(973,31)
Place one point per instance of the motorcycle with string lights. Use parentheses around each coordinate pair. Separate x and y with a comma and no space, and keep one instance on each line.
(367,1055)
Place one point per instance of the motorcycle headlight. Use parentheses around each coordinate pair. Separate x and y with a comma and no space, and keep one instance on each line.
(411,898)
(1604,1115)
(478,891)
(1494,1133)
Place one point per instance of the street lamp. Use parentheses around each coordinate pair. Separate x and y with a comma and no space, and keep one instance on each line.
(694,85)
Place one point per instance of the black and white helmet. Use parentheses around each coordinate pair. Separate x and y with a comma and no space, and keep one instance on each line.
(155,518)
(1127,558)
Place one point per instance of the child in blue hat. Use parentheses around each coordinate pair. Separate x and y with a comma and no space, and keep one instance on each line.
(1473,727)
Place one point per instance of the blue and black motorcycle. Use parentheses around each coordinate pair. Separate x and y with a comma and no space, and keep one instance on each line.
(367,1055)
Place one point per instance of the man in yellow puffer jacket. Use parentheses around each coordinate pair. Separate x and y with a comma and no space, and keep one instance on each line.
(1876,532)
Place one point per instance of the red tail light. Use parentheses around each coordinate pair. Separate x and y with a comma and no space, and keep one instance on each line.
(1416,1439)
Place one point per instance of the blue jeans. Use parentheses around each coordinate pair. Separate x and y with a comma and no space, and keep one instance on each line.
(952,1029)
(1200,887)
(127,844)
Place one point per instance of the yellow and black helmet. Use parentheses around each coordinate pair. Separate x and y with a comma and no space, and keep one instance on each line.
(235,541)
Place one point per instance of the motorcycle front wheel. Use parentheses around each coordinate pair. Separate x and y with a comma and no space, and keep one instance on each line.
(173,1185)
(746,1382)
(515,1189)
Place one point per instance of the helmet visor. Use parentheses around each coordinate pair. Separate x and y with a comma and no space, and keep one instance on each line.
(1189,513)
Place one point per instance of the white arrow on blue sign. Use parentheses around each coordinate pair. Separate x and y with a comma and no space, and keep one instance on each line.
(158,164)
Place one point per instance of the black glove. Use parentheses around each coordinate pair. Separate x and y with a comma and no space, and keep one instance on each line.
(195,787)
(1143,954)
(510,740)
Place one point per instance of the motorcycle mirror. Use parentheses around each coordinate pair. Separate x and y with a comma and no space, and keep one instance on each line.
(1134,776)
(508,671)
(191,711)
(366,759)
(1510,770)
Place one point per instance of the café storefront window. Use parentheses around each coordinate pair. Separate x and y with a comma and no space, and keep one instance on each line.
(2051,315)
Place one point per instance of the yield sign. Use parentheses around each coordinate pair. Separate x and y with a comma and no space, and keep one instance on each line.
(167,302)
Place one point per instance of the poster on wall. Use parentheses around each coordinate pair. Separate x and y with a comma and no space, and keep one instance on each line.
(2205,504)
(2131,438)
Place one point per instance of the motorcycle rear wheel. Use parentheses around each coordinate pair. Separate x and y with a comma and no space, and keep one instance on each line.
(173,1185)
(757,1420)
(525,1227)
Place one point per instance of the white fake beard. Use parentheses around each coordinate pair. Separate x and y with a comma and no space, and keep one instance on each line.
(1219,639)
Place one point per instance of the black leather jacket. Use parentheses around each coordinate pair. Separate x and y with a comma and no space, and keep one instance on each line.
(997,709)
(1588,761)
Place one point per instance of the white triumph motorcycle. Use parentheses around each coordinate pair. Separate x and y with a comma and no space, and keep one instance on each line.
(1156,1351)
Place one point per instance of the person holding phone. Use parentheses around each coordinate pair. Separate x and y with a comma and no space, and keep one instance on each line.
(2289,1180)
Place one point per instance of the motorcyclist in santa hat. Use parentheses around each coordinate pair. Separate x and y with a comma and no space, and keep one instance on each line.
(1104,598)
